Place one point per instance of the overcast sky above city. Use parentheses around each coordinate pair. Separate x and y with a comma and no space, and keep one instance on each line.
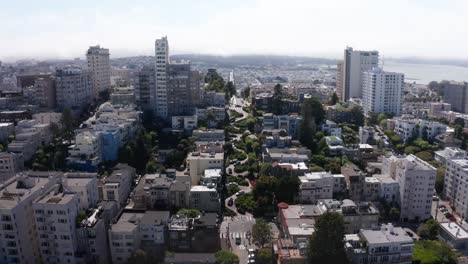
(323,28)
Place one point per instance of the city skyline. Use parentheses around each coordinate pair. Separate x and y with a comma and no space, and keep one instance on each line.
(428,29)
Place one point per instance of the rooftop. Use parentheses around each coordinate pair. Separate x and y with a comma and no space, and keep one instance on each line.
(127,222)
(455,230)
(386,234)
(15,191)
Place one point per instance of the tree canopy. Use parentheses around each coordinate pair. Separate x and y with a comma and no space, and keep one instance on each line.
(429,230)
(226,257)
(261,232)
(433,252)
(326,245)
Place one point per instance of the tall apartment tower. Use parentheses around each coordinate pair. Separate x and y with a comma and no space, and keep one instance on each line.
(455,185)
(73,88)
(382,92)
(355,63)
(56,213)
(417,180)
(99,66)
(339,78)
(146,89)
(456,94)
(161,70)
(19,239)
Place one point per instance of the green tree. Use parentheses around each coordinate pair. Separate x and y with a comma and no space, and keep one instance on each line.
(190,213)
(138,257)
(67,121)
(246,92)
(261,233)
(333,99)
(429,230)
(277,105)
(356,115)
(312,113)
(433,252)
(230,89)
(226,257)
(326,245)
(439,184)
(264,256)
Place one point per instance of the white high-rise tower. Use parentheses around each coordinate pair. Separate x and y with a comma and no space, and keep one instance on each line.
(162,60)
(382,91)
(355,63)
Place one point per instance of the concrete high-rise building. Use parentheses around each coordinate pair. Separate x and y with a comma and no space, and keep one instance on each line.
(179,97)
(146,89)
(339,78)
(455,185)
(45,92)
(55,214)
(19,240)
(99,66)
(177,88)
(355,63)
(382,92)
(73,88)
(417,180)
(456,93)
(161,69)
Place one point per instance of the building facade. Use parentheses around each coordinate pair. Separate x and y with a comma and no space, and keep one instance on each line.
(99,67)
(355,63)
(382,92)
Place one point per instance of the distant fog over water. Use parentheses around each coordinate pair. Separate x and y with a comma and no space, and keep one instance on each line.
(425,73)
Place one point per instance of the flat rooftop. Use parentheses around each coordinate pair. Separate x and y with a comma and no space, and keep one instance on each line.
(127,222)
(385,235)
(454,230)
(13,193)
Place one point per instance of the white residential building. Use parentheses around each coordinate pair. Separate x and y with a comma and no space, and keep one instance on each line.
(449,153)
(6,130)
(55,215)
(382,92)
(162,60)
(408,129)
(204,198)
(314,186)
(10,164)
(455,185)
(371,189)
(137,229)
(416,179)
(355,63)
(86,152)
(118,185)
(19,241)
(86,185)
(388,244)
(198,162)
(99,66)
(389,188)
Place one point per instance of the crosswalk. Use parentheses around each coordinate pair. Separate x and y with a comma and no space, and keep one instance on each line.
(239,218)
(233,234)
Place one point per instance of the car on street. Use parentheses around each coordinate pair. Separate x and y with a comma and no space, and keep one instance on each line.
(238,239)
(238,163)
(435,198)
(240,193)
(230,202)
(442,206)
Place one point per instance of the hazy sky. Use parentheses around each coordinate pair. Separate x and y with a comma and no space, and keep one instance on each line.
(397,28)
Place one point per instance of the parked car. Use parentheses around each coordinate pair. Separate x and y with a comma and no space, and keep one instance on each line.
(238,163)
(240,193)
(442,206)
(230,202)
(435,198)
